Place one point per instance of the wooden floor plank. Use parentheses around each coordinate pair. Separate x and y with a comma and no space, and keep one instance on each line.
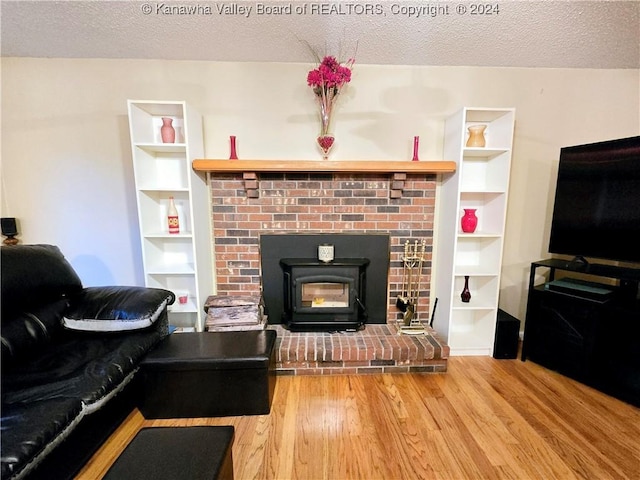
(554,434)
(483,419)
(576,427)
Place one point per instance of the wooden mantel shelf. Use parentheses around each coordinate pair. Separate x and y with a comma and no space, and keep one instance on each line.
(324,166)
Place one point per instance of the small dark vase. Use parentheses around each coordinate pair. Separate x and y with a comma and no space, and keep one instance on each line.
(466,294)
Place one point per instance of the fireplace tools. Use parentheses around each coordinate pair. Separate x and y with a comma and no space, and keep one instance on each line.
(407,301)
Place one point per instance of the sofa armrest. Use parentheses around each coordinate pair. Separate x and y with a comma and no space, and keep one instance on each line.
(116,309)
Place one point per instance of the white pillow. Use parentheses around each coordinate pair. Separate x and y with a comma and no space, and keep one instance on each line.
(116,309)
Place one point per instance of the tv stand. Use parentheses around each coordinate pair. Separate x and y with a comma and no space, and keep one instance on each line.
(591,337)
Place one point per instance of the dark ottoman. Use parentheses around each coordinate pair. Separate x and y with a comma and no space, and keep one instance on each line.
(210,374)
(170,453)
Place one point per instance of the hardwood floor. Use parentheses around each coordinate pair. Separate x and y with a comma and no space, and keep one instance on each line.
(485,418)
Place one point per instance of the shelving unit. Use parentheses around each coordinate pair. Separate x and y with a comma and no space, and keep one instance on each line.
(481,181)
(178,262)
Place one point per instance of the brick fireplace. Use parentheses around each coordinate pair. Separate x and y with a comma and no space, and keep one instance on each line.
(247,205)
(318,203)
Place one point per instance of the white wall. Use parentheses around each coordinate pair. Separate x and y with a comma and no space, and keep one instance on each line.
(66,162)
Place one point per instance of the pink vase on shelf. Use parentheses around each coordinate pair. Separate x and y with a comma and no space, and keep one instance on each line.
(234,154)
(167,132)
(469,220)
(416,143)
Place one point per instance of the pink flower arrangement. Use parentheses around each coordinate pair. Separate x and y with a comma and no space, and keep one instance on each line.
(330,74)
(326,81)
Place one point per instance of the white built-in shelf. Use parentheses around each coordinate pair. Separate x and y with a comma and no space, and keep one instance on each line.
(178,262)
(481,182)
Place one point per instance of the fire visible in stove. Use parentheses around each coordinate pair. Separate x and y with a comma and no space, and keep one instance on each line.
(325,295)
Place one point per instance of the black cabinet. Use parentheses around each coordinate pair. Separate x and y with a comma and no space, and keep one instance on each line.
(589,331)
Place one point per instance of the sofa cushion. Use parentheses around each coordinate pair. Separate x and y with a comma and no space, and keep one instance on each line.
(25,333)
(116,309)
(84,366)
(34,275)
(30,430)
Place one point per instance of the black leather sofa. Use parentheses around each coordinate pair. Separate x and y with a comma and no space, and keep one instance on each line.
(70,358)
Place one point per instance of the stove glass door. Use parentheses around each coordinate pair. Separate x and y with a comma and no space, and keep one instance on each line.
(325,295)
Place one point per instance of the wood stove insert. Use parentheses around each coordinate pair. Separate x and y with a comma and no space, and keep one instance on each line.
(324,296)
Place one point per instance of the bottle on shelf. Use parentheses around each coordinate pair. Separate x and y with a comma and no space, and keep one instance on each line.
(172,217)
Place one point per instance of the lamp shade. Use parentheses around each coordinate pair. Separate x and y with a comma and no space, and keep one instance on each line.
(9,228)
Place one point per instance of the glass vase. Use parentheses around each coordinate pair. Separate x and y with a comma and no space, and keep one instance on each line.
(325,139)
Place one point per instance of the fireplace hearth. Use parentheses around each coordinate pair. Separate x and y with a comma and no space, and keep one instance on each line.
(374,349)
(325,296)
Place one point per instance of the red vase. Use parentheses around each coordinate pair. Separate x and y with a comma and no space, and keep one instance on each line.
(234,154)
(167,132)
(469,221)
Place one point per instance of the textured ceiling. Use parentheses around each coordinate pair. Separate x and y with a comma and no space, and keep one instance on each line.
(575,34)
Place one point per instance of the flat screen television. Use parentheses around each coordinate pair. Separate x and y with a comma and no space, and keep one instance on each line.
(596,212)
